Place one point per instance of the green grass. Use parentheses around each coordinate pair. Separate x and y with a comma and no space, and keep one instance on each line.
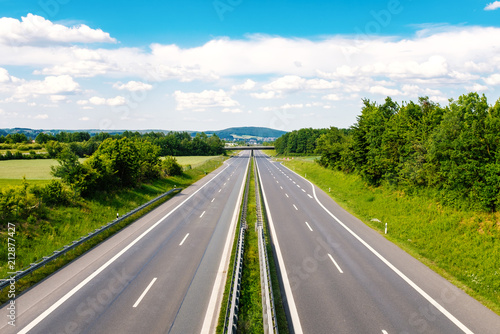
(62,225)
(32,169)
(250,309)
(38,170)
(462,246)
(194,160)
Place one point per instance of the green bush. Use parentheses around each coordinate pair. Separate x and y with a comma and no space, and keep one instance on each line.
(170,166)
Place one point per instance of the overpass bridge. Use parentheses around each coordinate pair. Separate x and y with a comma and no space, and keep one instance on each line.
(248,147)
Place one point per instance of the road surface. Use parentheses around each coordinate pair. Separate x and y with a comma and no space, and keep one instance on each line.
(340,276)
(159,275)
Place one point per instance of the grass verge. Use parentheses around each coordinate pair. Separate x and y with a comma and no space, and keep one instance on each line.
(65,224)
(462,246)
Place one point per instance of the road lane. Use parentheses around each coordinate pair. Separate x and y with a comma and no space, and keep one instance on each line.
(172,252)
(367,296)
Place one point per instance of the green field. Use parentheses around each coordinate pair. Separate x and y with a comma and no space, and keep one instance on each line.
(460,245)
(38,170)
(194,160)
(32,169)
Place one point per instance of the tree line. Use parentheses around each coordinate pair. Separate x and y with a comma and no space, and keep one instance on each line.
(454,150)
(83,144)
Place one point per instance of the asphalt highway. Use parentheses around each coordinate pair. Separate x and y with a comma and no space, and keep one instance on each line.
(162,274)
(340,276)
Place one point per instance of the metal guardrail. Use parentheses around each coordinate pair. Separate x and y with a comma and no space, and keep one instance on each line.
(233,301)
(66,248)
(268,309)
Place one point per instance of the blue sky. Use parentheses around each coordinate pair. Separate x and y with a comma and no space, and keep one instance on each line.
(206,65)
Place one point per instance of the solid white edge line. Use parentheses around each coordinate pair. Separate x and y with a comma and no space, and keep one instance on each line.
(213,308)
(281,263)
(424,294)
(335,263)
(187,235)
(309,226)
(144,293)
(54,306)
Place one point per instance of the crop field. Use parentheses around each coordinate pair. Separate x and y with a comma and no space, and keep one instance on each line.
(194,160)
(38,170)
(32,169)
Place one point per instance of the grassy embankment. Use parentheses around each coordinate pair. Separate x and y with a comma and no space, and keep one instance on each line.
(462,246)
(62,225)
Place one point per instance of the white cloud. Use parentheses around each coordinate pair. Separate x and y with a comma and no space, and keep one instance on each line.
(322,84)
(35,30)
(41,116)
(4,75)
(332,97)
(492,6)
(266,95)
(21,90)
(57,98)
(477,88)
(292,106)
(385,91)
(133,86)
(247,85)
(205,99)
(84,119)
(288,83)
(493,79)
(232,110)
(100,101)
(82,102)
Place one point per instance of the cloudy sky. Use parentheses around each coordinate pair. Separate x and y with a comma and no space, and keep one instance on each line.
(210,64)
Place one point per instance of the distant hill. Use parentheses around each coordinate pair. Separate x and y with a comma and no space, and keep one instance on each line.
(248,132)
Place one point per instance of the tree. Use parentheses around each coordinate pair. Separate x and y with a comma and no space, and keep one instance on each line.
(53,148)
(69,169)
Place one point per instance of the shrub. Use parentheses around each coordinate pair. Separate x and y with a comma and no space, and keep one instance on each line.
(170,166)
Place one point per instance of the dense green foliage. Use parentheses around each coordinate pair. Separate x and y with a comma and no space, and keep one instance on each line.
(301,141)
(171,167)
(454,149)
(83,144)
(117,163)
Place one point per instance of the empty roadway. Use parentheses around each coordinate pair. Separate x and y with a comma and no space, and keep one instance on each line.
(343,277)
(143,279)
